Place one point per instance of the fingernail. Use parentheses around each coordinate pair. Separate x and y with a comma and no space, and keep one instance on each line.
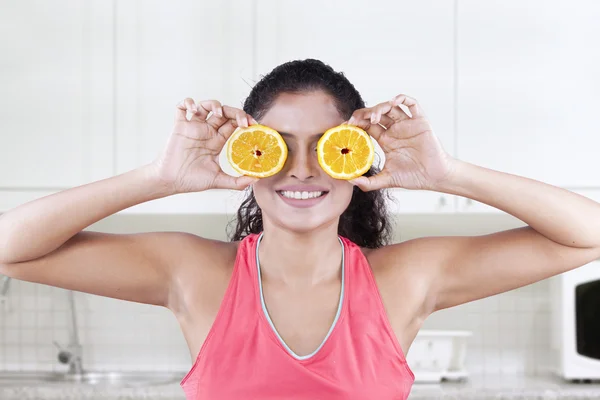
(351,121)
(373,118)
(220,112)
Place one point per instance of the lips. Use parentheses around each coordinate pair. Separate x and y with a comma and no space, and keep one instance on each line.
(312,198)
(304,195)
(302,188)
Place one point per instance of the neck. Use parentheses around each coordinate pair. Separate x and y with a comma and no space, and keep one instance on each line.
(300,259)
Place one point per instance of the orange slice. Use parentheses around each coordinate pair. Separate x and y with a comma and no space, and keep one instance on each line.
(257,151)
(345,152)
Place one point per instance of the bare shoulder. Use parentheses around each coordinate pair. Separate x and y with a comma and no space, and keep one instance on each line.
(203,273)
(189,253)
(202,257)
(210,252)
(414,256)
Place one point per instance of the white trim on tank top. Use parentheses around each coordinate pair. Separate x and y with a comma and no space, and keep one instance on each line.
(266,313)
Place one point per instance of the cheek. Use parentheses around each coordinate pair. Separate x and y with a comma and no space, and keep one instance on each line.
(261,189)
(343,193)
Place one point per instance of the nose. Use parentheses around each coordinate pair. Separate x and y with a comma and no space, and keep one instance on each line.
(302,164)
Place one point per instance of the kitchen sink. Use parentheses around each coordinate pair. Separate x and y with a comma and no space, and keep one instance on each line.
(123,379)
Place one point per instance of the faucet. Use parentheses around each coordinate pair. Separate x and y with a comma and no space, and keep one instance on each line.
(72,353)
(4,286)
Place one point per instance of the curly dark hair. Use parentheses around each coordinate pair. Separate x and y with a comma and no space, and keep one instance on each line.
(366,220)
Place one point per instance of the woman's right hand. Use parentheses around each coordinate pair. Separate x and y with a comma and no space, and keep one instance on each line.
(190,162)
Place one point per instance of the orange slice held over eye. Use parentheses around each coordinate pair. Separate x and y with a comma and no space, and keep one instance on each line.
(257,151)
(345,152)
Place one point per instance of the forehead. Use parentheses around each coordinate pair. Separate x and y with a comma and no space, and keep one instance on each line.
(302,114)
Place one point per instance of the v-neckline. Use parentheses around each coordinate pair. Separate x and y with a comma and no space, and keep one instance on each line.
(270,321)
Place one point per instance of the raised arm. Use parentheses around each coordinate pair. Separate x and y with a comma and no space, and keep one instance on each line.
(563,233)
(563,229)
(43,241)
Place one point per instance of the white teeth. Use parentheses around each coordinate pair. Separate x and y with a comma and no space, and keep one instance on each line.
(300,195)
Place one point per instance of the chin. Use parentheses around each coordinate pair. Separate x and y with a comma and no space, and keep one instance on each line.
(302,225)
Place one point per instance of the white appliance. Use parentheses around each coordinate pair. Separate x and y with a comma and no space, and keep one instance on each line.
(575,317)
(437,355)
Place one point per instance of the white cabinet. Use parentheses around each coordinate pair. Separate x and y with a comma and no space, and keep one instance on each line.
(529,90)
(89,88)
(165,52)
(388,48)
(56,115)
(421,202)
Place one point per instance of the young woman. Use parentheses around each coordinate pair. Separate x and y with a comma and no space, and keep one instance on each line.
(309,300)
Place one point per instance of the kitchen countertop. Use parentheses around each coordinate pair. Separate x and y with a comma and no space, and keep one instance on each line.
(480,388)
(507,387)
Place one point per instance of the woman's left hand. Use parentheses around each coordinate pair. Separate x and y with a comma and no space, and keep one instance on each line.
(414,156)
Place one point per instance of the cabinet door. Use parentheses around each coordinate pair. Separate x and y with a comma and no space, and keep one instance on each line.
(167,51)
(529,89)
(390,48)
(56,74)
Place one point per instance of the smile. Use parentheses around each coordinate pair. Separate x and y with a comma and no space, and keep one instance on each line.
(300,195)
(301,199)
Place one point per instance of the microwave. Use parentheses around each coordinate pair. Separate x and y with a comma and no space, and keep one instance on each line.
(575,320)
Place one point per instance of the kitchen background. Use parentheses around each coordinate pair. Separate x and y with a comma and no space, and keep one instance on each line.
(89,88)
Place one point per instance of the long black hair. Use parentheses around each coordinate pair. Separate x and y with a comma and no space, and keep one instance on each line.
(366,220)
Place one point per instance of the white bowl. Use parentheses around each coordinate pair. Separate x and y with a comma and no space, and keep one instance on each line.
(437,355)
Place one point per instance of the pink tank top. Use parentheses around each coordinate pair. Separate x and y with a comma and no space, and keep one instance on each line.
(243,356)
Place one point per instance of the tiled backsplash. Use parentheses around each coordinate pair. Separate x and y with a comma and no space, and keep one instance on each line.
(510,331)
(115,335)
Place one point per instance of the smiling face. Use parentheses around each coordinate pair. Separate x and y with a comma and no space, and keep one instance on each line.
(302,197)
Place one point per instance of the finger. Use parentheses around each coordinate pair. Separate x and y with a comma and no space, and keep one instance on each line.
(386,121)
(207,107)
(195,110)
(213,113)
(360,115)
(381,112)
(224,181)
(412,105)
(390,110)
(183,107)
(378,118)
(227,129)
(375,182)
(190,105)
(238,115)
(374,130)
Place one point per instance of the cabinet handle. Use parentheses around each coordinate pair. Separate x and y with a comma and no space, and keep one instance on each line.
(442,202)
(468,203)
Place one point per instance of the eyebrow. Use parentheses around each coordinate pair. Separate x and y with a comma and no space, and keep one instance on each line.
(289,135)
